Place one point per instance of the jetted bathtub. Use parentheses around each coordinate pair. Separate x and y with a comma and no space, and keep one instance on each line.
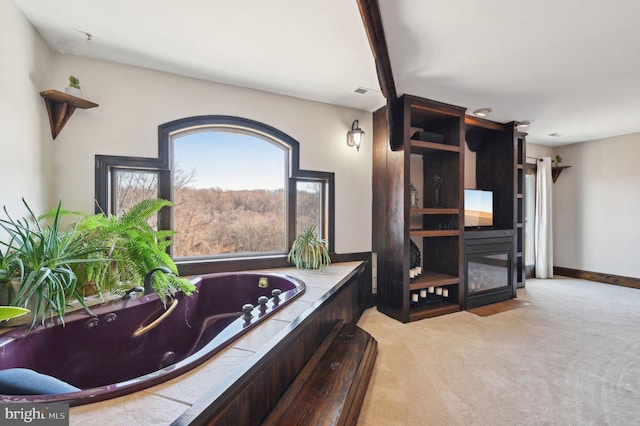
(137,343)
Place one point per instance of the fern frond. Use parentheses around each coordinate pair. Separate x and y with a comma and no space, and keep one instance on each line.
(143,210)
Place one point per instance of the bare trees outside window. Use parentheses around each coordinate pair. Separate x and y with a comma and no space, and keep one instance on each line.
(235,201)
(235,184)
(133,186)
(310,206)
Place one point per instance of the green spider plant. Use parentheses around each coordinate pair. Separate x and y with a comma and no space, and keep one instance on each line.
(10,312)
(44,254)
(309,252)
(114,253)
(11,268)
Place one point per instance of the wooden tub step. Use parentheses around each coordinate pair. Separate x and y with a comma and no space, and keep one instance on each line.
(331,387)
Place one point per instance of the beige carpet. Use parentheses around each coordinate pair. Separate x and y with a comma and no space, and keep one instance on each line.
(571,357)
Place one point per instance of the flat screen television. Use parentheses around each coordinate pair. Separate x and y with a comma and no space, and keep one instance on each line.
(478,208)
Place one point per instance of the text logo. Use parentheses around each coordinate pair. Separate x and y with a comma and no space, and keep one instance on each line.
(34,414)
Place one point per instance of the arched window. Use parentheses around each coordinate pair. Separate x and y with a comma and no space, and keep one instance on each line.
(235,183)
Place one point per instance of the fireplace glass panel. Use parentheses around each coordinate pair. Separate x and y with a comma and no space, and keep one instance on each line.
(487,271)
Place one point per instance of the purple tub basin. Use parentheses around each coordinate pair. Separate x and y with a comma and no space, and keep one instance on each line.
(102,357)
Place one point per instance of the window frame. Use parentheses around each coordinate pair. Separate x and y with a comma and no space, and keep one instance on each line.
(327,200)
(106,165)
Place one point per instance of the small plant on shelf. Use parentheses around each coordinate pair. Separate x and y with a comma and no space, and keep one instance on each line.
(558,160)
(309,252)
(74,87)
(74,82)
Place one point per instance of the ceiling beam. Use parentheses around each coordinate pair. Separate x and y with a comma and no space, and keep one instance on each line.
(370,13)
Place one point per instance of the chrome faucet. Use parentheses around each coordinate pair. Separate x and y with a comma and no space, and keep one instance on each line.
(133,293)
(148,284)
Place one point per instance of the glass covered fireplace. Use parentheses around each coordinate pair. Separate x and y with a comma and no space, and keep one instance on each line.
(488,267)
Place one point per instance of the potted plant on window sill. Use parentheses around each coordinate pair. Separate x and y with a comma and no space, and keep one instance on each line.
(45,255)
(45,267)
(132,248)
(309,252)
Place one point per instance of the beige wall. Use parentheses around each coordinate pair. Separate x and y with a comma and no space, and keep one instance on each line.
(24,72)
(469,168)
(134,101)
(538,151)
(596,205)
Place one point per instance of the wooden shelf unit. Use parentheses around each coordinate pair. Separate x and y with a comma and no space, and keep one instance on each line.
(501,168)
(434,233)
(422,312)
(436,225)
(434,210)
(432,279)
(520,216)
(420,147)
(61,106)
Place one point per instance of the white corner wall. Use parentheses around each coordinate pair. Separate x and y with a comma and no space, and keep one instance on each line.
(538,151)
(596,205)
(24,72)
(134,101)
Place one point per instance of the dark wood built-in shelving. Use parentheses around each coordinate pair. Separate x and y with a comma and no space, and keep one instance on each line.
(419,143)
(436,224)
(500,167)
(434,210)
(420,147)
(433,311)
(434,232)
(432,279)
(61,106)
(520,209)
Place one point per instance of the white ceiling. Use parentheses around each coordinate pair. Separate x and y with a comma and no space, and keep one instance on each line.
(571,66)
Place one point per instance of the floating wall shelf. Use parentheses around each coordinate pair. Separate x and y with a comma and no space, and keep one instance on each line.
(61,107)
(556,170)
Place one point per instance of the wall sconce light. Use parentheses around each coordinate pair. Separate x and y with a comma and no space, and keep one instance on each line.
(355,135)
